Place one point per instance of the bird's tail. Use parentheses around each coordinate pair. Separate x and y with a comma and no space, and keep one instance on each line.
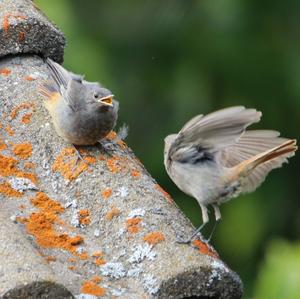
(284,149)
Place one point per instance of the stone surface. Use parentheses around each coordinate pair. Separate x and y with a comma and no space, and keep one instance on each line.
(113,205)
(24,29)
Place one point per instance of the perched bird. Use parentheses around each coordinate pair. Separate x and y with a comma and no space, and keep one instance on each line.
(213,158)
(83,112)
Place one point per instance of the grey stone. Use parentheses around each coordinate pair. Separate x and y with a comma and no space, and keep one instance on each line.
(24,29)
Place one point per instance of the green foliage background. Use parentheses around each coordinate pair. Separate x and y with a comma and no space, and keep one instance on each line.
(167,61)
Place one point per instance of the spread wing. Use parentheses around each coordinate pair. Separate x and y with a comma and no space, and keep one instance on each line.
(204,136)
(251,143)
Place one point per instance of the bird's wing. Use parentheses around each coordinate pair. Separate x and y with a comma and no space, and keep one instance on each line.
(203,136)
(66,83)
(251,143)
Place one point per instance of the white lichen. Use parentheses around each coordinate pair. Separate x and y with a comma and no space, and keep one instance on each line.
(97,232)
(135,272)
(218,265)
(118,292)
(150,284)
(22,184)
(85,296)
(141,252)
(114,270)
(122,191)
(136,213)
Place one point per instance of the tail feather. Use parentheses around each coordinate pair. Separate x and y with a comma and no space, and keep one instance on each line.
(243,169)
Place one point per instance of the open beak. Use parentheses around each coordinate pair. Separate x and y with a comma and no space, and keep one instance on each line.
(107,100)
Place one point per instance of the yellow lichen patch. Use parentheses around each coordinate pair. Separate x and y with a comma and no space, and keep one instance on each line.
(6,189)
(154,238)
(106,193)
(84,217)
(204,248)
(68,164)
(132,225)
(91,288)
(23,150)
(165,193)
(114,212)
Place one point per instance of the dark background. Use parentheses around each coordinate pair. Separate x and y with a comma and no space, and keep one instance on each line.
(167,61)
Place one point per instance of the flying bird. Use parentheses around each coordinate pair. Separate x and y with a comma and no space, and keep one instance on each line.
(214,158)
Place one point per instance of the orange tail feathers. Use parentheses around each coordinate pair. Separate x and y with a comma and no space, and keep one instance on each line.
(245,167)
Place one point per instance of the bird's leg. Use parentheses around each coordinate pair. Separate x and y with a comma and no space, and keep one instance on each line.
(205,220)
(218,219)
(78,154)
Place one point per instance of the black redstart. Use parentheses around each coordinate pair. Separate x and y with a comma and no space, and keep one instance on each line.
(213,158)
(83,112)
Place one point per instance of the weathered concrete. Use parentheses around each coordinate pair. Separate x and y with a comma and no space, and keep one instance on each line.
(24,29)
(64,223)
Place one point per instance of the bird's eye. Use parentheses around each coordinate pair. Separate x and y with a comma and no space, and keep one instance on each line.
(96,95)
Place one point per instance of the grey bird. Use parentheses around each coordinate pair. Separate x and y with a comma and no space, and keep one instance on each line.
(214,158)
(83,112)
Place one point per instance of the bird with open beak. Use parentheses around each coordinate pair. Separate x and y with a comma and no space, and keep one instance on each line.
(214,158)
(83,112)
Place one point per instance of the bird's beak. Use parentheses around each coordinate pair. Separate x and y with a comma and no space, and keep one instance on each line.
(107,100)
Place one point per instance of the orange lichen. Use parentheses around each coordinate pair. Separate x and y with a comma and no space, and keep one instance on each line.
(5,71)
(101,157)
(29,165)
(132,225)
(41,225)
(6,17)
(84,218)
(91,288)
(3,146)
(22,207)
(21,36)
(99,261)
(154,238)
(26,118)
(72,260)
(114,212)
(106,193)
(114,164)
(44,203)
(165,193)
(98,254)
(82,256)
(29,78)
(111,135)
(50,258)
(25,105)
(96,279)
(204,248)
(23,150)
(9,130)
(69,166)
(6,189)
(72,268)
(8,168)
(135,173)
